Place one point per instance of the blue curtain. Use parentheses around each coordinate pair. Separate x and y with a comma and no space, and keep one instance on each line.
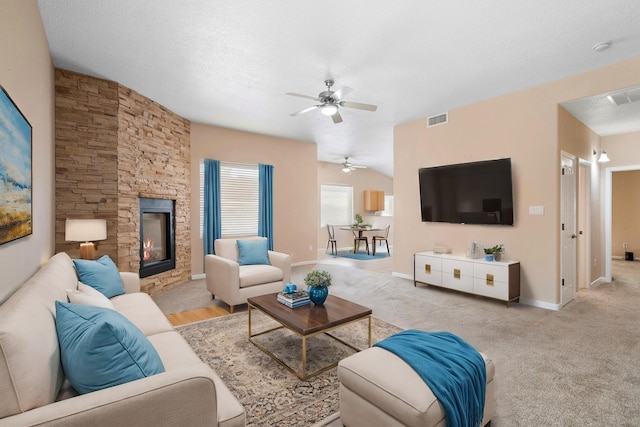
(265,208)
(212,217)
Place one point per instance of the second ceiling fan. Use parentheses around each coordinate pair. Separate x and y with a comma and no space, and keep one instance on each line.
(330,101)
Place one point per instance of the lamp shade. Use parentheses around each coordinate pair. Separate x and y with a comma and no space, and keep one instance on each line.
(85,230)
(603,157)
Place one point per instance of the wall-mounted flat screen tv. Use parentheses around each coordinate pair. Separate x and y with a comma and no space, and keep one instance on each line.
(467,193)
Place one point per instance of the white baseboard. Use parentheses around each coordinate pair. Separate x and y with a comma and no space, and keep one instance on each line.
(296,264)
(597,282)
(540,304)
(198,276)
(402,276)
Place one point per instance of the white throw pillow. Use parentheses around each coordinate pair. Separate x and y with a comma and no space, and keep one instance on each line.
(86,295)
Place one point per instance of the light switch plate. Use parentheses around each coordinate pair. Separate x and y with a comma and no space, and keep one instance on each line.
(536,210)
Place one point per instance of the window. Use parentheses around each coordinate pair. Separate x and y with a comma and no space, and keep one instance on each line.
(336,204)
(238,199)
(388,205)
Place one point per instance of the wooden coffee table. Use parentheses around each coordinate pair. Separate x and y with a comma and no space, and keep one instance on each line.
(308,321)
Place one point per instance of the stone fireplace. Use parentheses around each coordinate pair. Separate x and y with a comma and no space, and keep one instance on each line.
(157,236)
(114,148)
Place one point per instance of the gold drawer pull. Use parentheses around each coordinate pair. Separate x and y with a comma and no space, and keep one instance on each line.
(456,273)
(427,268)
(489,279)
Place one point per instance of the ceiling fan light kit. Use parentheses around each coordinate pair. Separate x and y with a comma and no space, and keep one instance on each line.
(329,110)
(330,101)
(347,166)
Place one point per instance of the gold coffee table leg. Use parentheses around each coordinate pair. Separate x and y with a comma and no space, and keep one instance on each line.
(304,358)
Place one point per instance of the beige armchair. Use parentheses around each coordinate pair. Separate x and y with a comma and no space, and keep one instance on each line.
(234,283)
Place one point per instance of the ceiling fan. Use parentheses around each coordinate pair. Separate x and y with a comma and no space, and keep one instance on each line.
(330,101)
(347,166)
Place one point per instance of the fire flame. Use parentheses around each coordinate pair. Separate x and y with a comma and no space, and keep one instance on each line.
(148,248)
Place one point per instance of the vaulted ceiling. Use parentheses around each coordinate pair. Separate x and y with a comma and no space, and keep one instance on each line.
(230,62)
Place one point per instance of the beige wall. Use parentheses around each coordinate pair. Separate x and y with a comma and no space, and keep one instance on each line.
(295,185)
(522,126)
(26,73)
(625,207)
(360,180)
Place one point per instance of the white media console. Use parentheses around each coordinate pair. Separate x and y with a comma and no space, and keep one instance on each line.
(493,279)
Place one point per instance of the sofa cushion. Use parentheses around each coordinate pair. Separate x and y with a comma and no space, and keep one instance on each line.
(30,369)
(140,310)
(251,275)
(100,348)
(87,295)
(102,275)
(252,252)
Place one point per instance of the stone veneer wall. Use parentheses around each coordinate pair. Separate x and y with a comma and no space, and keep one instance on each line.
(113,146)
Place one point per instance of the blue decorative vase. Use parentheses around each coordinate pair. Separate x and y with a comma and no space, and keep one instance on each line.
(318,294)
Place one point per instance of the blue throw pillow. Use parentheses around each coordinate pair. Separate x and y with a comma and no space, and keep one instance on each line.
(253,252)
(100,348)
(102,275)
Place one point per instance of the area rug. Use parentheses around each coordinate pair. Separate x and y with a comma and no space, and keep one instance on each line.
(363,255)
(271,395)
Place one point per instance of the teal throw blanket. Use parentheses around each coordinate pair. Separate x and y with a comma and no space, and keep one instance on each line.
(454,371)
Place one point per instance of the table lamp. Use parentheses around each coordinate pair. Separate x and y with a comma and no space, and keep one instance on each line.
(87,231)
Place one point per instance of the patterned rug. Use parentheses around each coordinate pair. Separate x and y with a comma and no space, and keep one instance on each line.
(271,395)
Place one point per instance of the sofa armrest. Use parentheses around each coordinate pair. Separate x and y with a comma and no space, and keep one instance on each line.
(222,274)
(184,396)
(283,262)
(131,282)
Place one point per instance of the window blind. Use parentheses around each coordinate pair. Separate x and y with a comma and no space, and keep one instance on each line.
(336,204)
(238,199)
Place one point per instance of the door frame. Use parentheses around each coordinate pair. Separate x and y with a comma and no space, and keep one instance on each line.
(583,258)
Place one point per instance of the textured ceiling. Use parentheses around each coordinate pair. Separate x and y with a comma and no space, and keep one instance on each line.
(230,62)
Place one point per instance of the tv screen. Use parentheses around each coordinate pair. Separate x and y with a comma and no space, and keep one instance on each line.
(467,193)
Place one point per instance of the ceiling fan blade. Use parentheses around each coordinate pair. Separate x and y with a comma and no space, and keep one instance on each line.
(368,107)
(358,167)
(304,110)
(302,96)
(344,90)
(337,118)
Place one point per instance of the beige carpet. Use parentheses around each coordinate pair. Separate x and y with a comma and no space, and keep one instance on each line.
(271,395)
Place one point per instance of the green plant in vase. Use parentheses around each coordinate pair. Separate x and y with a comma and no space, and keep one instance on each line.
(318,282)
(496,251)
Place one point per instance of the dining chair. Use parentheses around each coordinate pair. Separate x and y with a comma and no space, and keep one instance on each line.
(380,239)
(357,238)
(332,240)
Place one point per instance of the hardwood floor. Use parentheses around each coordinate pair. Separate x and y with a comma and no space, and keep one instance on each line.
(197,315)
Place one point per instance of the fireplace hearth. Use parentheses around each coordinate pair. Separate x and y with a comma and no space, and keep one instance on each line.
(157,236)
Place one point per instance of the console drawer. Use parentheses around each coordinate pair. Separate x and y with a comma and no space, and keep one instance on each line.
(428,269)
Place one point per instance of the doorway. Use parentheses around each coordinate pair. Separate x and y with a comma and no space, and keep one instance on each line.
(583,258)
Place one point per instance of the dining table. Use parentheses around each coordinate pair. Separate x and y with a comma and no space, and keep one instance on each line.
(360,230)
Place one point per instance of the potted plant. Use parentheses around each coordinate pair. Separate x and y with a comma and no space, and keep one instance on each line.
(494,253)
(357,220)
(318,282)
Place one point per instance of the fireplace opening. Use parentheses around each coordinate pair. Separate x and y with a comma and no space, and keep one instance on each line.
(157,236)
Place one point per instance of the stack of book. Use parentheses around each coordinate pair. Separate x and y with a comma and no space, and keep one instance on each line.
(294,299)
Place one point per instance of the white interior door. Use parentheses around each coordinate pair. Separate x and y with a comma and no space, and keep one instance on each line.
(568,229)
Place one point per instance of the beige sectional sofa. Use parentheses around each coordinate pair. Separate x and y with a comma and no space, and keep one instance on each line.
(34,391)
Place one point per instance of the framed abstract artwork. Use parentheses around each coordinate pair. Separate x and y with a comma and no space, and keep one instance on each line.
(15,172)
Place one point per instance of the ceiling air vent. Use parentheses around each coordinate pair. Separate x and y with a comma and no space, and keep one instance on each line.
(440,119)
(625,97)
